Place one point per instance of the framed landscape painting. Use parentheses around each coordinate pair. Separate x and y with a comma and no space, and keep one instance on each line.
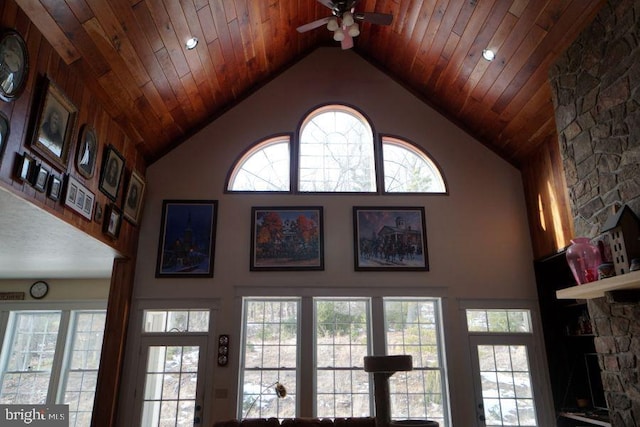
(287,238)
(390,238)
(187,238)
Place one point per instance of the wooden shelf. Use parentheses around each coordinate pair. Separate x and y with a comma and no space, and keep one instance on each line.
(597,289)
(594,420)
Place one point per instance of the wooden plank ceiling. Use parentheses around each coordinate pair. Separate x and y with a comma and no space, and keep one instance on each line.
(131,54)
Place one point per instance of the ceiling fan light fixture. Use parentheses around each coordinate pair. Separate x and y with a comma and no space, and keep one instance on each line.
(338,35)
(354,30)
(347,19)
(332,25)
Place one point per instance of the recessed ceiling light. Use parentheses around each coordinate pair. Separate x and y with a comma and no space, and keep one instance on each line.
(191,43)
(488,54)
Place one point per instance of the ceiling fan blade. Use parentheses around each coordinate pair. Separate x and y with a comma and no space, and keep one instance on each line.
(374,18)
(347,42)
(327,3)
(312,25)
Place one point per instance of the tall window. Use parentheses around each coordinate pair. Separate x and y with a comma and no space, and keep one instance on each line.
(342,342)
(52,357)
(270,334)
(340,333)
(336,152)
(413,327)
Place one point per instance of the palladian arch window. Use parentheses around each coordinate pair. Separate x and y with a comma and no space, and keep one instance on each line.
(265,167)
(409,170)
(336,151)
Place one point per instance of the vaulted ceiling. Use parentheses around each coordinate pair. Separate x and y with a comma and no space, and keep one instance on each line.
(132,55)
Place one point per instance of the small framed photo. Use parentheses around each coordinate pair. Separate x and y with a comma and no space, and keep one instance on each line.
(54,126)
(134,198)
(4,132)
(87,151)
(112,221)
(187,238)
(24,167)
(79,198)
(97,216)
(111,172)
(55,187)
(39,178)
(14,65)
(390,238)
(287,238)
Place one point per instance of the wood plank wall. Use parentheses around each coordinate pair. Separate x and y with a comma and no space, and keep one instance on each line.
(21,112)
(44,61)
(548,206)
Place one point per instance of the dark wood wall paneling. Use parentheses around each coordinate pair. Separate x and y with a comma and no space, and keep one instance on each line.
(44,61)
(543,179)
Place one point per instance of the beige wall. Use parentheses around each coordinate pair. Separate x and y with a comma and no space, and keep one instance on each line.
(62,289)
(478,238)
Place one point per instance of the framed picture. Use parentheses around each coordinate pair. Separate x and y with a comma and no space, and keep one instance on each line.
(79,198)
(111,172)
(112,221)
(24,167)
(55,187)
(54,126)
(187,238)
(97,216)
(390,238)
(87,152)
(39,178)
(134,198)
(287,238)
(14,65)
(4,132)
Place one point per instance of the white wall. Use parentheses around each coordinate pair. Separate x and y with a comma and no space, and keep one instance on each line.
(478,238)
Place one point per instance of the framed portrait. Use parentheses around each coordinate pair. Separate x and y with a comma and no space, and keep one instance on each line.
(14,65)
(111,172)
(79,198)
(187,238)
(54,126)
(39,178)
(390,238)
(97,216)
(4,132)
(87,151)
(55,187)
(24,167)
(134,198)
(287,238)
(112,221)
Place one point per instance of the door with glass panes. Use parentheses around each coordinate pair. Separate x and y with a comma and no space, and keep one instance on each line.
(170,384)
(504,388)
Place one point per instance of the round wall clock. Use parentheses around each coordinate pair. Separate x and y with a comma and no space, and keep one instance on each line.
(39,289)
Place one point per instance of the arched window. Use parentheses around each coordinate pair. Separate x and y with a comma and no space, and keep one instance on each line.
(409,170)
(336,153)
(265,167)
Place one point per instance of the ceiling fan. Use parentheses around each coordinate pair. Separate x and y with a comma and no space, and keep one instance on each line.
(344,21)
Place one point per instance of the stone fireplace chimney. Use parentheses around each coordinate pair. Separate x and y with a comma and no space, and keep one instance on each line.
(596,93)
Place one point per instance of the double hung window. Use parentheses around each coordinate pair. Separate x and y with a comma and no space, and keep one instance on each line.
(52,357)
(286,338)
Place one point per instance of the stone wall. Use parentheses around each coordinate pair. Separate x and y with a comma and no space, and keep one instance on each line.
(596,90)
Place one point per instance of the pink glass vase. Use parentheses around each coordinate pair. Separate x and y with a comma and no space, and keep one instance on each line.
(583,259)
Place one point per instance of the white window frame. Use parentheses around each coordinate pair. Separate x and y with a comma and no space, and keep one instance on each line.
(306,381)
(61,362)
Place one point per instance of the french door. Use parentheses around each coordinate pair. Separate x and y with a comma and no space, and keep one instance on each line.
(170,385)
(505,389)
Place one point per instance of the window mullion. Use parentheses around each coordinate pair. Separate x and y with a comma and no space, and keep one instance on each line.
(306,353)
(58,357)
